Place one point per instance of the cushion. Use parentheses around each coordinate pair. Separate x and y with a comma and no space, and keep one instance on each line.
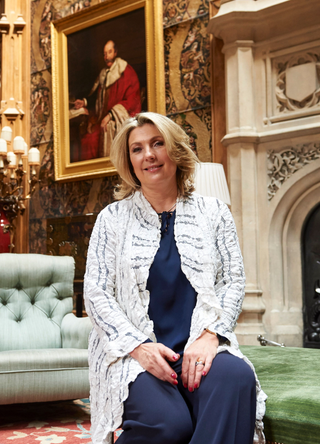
(21,361)
(35,294)
(43,375)
(290,378)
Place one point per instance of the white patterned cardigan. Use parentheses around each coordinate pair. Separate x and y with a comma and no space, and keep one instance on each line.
(122,248)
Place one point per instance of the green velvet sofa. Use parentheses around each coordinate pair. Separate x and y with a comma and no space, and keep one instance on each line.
(43,346)
(291,378)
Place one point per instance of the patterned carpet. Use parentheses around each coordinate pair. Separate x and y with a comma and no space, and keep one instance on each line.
(66,422)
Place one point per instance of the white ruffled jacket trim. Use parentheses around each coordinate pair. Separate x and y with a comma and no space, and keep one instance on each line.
(122,248)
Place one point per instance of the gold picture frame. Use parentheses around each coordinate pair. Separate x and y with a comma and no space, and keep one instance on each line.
(68,29)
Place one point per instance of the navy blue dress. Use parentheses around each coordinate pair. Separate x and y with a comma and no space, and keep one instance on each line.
(172,298)
(222,410)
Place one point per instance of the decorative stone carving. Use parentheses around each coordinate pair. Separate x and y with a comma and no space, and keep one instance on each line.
(283,164)
(298,82)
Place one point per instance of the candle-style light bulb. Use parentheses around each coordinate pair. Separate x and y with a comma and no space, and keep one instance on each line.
(18,145)
(6,133)
(34,156)
(12,159)
(3,147)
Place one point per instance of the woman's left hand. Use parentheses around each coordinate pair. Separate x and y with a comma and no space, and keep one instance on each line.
(204,349)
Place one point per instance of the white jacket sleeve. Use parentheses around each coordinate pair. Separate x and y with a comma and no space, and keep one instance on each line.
(230,277)
(118,335)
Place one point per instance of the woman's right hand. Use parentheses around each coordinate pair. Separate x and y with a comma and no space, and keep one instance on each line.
(153,358)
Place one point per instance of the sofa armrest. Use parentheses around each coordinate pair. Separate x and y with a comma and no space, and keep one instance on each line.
(75,331)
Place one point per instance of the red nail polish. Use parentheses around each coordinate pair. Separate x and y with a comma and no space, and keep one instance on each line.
(175,357)
(190,389)
(196,386)
(185,386)
(204,373)
(173,375)
(175,382)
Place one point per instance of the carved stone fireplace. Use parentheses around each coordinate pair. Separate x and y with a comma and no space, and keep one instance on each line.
(272,62)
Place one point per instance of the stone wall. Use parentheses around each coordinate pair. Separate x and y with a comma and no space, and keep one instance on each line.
(272,50)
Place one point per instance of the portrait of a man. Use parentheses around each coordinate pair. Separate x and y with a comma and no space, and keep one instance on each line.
(99,105)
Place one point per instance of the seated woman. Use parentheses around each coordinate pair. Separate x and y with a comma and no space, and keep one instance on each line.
(164,287)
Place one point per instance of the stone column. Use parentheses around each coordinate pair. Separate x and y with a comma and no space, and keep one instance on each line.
(241,139)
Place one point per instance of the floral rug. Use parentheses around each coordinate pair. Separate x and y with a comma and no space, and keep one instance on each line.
(66,422)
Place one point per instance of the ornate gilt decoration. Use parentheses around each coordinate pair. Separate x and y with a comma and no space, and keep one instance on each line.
(61,31)
(286,102)
(282,165)
(13,193)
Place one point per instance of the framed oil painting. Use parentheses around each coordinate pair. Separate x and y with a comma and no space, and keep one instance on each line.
(107,65)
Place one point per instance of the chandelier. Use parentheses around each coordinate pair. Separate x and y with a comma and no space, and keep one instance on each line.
(12,185)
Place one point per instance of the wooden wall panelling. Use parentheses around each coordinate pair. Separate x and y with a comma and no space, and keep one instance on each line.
(15,97)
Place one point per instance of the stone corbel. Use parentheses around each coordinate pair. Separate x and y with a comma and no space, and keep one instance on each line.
(4,24)
(19,24)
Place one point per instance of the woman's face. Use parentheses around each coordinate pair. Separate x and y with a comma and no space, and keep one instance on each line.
(149,158)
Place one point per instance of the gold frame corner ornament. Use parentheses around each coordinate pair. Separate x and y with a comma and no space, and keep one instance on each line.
(60,29)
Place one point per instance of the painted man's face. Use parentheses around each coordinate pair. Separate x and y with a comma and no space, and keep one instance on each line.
(109,54)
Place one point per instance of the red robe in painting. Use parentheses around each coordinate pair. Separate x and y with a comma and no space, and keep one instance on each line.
(126,92)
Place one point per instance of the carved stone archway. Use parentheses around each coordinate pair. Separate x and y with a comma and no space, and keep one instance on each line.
(273,144)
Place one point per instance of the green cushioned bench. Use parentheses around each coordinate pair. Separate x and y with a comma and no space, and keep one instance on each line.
(291,378)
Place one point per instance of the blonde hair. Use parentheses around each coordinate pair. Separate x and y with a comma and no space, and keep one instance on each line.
(178,149)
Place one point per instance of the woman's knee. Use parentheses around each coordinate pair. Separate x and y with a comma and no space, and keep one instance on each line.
(165,426)
(243,375)
(158,409)
(229,370)
(176,430)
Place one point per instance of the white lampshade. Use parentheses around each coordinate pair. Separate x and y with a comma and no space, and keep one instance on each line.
(6,133)
(18,145)
(34,156)
(3,147)
(210,180)
(12,159)
(25,148)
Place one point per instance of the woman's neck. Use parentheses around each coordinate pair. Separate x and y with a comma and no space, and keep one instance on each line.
(161,201)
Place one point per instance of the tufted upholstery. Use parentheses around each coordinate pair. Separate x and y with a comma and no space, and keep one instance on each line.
(43,346)
(35,295)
